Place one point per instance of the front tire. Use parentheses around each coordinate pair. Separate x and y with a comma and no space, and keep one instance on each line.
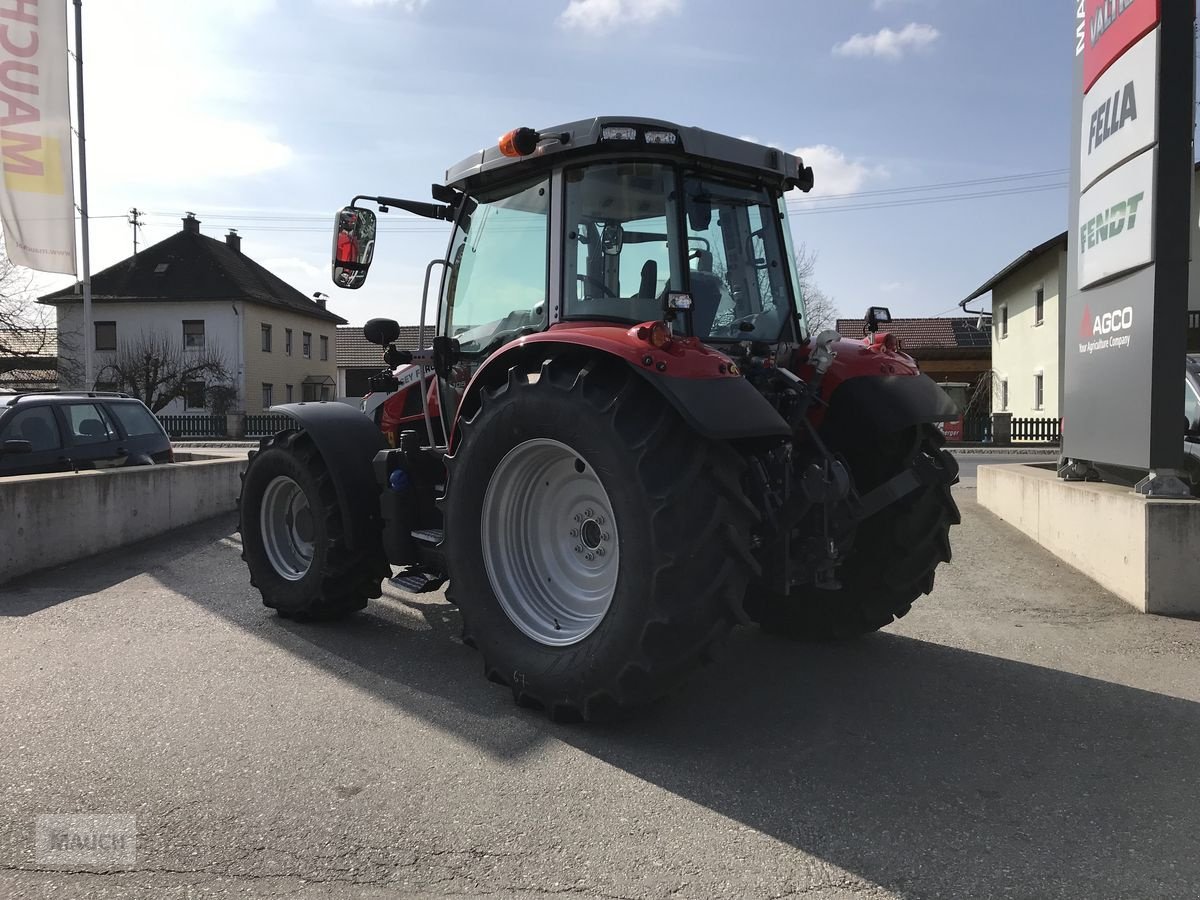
(894,556)
(545,459)
(292,535)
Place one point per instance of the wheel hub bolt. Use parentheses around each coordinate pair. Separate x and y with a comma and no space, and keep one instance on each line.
(587,513)
(578,549)
(604,536)
(574,532)
(590,556)
(578,518)
(599,551)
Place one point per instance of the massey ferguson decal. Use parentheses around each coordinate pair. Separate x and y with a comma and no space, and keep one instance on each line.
(1110,28)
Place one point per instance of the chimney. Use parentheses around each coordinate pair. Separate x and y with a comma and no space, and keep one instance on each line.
(191,224)
(320,298)
(234,240)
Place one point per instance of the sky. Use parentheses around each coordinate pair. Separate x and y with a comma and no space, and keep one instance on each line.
(269,115)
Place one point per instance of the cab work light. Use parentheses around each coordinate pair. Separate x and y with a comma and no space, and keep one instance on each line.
(618,133)
(661,137)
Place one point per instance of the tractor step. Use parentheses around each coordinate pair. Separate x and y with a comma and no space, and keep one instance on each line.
(417,581)
(430,537)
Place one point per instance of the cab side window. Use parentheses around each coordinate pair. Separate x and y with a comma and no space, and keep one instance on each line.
(36,425)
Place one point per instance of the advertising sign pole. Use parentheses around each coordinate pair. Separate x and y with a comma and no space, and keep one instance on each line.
(1129,239)
(86,275)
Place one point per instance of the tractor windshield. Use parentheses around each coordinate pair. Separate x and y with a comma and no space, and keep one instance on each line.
(636,230)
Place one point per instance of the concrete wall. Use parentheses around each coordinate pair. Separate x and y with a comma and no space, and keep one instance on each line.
(278,367)
(1029,347)
(222,331)
(54,519)
(1141,550)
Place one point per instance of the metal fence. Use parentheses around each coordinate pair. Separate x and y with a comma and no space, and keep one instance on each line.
(267,424)
(977,429)
(1042,431)
(194,426)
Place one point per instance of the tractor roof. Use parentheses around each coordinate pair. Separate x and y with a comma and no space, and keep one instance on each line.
(622,137)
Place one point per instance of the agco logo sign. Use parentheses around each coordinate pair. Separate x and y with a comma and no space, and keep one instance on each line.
(1105,331)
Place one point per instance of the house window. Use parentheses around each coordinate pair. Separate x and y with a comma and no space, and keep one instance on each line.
(193,395)
(266,338)
(268,396)
(1003,394)
(324,348)
(308,393)
(325,392)
(1039,306)
(307,345)
(106,335)
(1038,383)
(193,334)
(287,388)
(1003,322)
(287,341)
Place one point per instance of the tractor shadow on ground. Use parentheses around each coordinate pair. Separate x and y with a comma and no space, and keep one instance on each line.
(929,770)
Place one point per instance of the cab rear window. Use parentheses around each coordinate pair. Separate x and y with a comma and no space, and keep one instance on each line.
(135,419)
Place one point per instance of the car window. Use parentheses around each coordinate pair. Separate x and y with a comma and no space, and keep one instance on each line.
(36,425)
(1191,403)
(136,419)
(87,423)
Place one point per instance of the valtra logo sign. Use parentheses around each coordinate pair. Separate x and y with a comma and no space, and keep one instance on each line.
(1110,28)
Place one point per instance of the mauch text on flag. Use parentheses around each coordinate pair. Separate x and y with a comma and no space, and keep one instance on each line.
(37,189)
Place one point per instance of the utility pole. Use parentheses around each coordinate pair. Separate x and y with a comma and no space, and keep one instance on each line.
(135,219)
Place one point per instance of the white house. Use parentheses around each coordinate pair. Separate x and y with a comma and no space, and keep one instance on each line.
(202,298)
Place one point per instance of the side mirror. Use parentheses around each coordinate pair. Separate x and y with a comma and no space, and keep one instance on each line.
(15,447)
(353,246)
(381,331)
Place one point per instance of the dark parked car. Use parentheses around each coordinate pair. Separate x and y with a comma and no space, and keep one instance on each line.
(64,432)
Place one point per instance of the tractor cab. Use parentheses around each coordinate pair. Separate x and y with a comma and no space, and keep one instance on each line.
(603,222)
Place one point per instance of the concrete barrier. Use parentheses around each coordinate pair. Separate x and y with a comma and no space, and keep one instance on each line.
(1147,552)
(47,520)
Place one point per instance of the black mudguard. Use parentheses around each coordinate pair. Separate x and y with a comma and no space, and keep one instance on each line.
(867,407)
(347,441)
(723,409)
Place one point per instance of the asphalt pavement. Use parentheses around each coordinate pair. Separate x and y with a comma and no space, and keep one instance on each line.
(1021,734)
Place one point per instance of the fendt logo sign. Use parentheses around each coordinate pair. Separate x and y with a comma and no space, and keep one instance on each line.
(1110,28)
(1115,216)
(1107,331)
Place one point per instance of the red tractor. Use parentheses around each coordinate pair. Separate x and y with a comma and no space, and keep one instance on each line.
(622,438)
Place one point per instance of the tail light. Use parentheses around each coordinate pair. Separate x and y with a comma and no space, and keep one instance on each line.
(657,335)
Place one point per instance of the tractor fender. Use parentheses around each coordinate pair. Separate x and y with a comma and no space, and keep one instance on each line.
(723,408)
(866,407)
(348,441)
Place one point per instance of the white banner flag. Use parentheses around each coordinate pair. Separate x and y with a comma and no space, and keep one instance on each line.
(37,193)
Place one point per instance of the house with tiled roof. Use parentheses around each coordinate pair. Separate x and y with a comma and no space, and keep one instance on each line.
(956,350)
(28,361)
(358,359)
(199,295)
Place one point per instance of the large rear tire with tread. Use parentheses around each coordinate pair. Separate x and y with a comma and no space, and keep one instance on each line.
(546,453)
(293,535)
(894,556)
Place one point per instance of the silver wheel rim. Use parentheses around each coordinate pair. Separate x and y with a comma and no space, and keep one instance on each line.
(550,542)
(287,527)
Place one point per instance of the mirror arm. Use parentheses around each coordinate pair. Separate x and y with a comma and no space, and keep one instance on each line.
(417,208)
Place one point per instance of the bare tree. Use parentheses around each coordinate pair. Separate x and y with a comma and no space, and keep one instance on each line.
(157,369)
(820,308)
(26,329)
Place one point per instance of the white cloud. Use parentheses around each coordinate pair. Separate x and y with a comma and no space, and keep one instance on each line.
(881,5)
(889,44)
(409,5)
(891,287)
(835,173)
(601,16)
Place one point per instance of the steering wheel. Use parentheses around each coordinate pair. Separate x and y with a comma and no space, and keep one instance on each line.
(587,279)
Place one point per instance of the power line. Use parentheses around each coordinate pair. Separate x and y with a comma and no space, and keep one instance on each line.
(1000,179)
(927,201)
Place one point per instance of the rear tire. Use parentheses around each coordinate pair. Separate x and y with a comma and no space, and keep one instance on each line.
(678,533)
(894,556)
(292,535)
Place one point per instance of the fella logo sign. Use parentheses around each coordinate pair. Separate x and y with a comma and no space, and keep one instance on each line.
(1120,112)
(1110,28)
